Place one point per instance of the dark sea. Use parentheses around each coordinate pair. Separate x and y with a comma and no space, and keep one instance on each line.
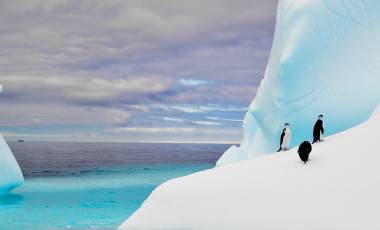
(94,185)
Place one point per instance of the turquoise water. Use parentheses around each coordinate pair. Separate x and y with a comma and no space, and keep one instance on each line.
(93,185)
(100,198)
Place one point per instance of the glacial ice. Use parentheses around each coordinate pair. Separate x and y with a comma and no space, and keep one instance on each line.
(324,60)
(10,172)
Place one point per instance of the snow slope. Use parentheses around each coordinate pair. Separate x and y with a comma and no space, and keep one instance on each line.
(10,172)
(338,189)
(325,59)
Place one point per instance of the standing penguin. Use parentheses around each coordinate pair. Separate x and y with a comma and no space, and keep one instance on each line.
(285,138)
(318,129)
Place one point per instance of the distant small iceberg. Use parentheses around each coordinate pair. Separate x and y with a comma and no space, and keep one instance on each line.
(11,175)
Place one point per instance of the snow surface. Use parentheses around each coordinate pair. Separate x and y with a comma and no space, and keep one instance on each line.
(324,60)
(339,188)
(10,172)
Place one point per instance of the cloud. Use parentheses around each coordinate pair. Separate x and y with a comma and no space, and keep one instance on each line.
(82,89)
(154,130)
(199,109)
(143,108)
(173,119)
(224,119)
(124,62)
(205,123)
(33,114)
(192,82)
(122,51)
(71,32)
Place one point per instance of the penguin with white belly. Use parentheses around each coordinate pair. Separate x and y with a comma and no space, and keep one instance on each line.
(286,137)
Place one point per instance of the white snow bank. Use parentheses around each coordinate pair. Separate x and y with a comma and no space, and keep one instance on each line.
(338,189)
(10,172)
(324,60)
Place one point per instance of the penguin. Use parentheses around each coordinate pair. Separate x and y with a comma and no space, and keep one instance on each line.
(318,129)
(286,136)
(304,150)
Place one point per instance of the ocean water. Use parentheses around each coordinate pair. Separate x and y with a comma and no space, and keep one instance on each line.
(94,185)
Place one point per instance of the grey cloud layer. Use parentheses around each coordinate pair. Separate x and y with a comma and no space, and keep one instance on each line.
(127,55)
(82,89)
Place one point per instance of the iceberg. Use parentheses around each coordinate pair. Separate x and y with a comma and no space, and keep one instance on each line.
(10,172)
(337,189)
(324,60)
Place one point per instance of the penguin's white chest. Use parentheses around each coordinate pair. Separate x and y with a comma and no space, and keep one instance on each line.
(287,138)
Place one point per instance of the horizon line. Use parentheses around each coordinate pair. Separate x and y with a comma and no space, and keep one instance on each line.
(129,142)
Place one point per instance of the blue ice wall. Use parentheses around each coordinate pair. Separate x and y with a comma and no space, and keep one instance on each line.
(10,172)
(325,59)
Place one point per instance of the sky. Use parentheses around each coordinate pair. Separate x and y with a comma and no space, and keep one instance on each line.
(131,70)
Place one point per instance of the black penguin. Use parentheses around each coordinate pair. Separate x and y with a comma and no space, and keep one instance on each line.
(318,129)
(304,151)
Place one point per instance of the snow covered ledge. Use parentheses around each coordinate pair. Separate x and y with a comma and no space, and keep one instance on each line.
(338,189)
